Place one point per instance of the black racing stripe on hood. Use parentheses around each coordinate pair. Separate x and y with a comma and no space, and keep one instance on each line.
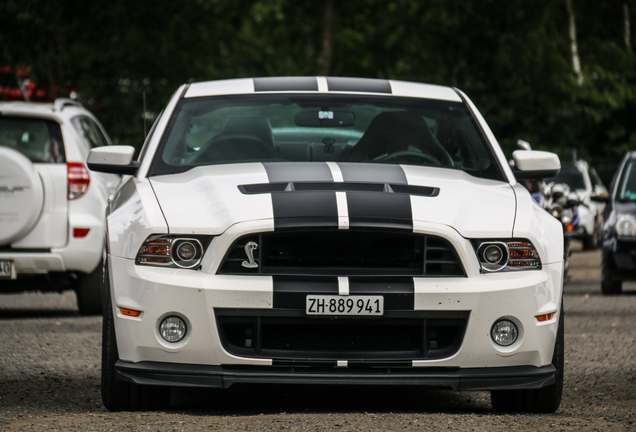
(365,85)
(285,84)
(376,173)
(302,208)
(372,209)
(368,209)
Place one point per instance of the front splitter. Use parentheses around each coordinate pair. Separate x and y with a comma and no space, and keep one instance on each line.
(187,375)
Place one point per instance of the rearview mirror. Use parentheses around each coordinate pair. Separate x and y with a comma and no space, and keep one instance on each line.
(325,119)
(113,160)
(535,164)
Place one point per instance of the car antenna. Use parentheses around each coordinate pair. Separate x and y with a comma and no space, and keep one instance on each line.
(144,93)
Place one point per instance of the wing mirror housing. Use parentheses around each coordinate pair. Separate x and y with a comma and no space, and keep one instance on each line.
(535,164)
(113,160)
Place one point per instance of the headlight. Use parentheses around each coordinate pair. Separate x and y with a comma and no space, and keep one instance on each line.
(625,224)
(567,217)
(516,254)
(556,210)
(172,251)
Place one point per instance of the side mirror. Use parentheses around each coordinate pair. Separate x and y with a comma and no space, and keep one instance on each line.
(113,160)
(524,145)
(535,164)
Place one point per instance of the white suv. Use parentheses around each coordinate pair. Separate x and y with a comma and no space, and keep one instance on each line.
(51,207)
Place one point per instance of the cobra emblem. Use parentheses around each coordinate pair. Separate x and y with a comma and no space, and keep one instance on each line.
(250,247)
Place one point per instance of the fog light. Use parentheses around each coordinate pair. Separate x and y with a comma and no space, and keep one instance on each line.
(173,329)
(504,332)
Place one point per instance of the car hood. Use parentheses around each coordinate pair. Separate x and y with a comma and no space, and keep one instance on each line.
(210,199)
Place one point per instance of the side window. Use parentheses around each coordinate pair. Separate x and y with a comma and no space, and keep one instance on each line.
(99,132)
(89,132)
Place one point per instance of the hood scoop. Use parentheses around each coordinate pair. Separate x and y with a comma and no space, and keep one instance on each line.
(262,188)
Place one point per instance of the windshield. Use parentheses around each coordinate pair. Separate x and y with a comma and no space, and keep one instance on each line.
(37,139)
(571,177)
(324,128)
(627,186)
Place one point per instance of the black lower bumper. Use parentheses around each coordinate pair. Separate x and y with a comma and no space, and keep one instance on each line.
(187,375)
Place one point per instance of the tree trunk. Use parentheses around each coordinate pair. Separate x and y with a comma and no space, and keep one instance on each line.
(326,54)
(628,33)
(576,62)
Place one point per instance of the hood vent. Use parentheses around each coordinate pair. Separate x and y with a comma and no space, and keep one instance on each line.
(262,188)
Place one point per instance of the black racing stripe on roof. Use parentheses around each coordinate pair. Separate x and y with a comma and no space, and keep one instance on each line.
(366,85)
(285,84)
(377,173)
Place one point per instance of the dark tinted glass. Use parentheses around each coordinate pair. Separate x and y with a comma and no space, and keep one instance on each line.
(37,139)
(365,129)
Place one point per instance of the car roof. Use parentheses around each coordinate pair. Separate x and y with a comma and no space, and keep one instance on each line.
(314,84)
(60,109)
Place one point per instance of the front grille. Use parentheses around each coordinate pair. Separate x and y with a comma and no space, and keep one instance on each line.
(288,335)
(343,252)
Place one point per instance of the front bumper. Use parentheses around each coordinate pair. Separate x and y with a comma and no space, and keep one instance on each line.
(185,375)
(195,296)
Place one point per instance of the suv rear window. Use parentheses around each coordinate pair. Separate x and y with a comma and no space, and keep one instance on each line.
(38,139)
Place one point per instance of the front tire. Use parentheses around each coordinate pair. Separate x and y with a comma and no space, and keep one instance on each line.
(120,395)
(544,400)
(591,242)
(88,290)
(609,285)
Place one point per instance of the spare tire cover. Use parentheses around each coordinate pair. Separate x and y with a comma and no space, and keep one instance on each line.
(21,195)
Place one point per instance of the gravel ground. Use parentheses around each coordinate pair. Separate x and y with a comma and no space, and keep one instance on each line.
(50,379)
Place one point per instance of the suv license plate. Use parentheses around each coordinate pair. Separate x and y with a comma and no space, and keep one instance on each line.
(6,269)
(344,305)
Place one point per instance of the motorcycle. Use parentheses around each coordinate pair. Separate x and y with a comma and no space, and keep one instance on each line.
(563,205)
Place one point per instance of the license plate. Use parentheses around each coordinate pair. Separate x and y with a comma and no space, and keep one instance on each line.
(344,305)
(6,269)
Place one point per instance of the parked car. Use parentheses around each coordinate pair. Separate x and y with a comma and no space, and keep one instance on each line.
(52,226)
(314,230)
(583,180)
(619,231)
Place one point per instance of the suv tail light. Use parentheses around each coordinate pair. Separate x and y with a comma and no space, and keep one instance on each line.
(78,179)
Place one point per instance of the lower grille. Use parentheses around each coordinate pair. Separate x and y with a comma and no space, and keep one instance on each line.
(287,335)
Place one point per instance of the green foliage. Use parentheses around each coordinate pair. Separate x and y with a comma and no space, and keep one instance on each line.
(512,57)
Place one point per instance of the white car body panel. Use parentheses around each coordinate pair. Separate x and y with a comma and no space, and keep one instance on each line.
(217,203)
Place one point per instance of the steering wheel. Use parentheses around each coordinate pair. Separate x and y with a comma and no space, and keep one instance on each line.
(412,156)
(234,148)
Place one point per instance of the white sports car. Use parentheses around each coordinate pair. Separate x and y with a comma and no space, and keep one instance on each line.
(323,230)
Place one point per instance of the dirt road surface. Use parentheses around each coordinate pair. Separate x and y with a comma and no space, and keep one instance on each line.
(50,379)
